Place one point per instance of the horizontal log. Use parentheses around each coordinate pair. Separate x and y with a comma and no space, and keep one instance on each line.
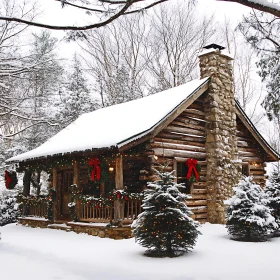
(193,115)
(259,177)
(201,209)
(178,153)
(197,106)
(199,185)
(194,111)
(181,142)
(199,191)
(172,128)
(257,172)
(256,168)
(242,144)
(181,136)
(250,159)
(181,159)
(200,216)
(196,203)
(188,125)
(198,196)
(248,149)
(246,154)
(177,147)
(191,120)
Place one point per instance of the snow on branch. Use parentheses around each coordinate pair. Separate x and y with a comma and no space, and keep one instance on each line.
(261,5)
(119,9)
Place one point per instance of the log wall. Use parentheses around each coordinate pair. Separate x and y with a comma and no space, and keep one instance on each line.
(182,139)
(251,153)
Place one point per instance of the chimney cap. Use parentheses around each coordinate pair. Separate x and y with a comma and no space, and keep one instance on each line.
(214,46)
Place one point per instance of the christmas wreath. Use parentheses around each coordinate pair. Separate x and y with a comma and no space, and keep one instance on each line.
(98,170)
(193,170)
(10,179)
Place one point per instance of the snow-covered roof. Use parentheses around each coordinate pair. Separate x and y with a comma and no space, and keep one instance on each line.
(116,125)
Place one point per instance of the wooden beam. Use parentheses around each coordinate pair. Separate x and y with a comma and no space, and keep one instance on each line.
(119,173)
(76,179)
(54,178)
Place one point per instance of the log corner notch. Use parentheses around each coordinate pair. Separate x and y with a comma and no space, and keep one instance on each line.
(118,204)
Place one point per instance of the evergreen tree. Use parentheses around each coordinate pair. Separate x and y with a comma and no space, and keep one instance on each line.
(165,226)
(8,208)
(248,216)
(272,191)
(75,96)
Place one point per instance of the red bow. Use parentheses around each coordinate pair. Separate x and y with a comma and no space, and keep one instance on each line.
(8,179)
(191,163)
(96,170)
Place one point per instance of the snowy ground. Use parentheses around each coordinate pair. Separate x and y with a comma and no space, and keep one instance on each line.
(27,253)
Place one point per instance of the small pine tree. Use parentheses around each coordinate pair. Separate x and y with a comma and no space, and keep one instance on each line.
(248,217)
(8,209)
(272,191)
(165,226)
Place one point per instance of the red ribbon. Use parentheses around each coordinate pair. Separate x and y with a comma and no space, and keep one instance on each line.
(191,163)
(118,195)
(8,179)
(96,169)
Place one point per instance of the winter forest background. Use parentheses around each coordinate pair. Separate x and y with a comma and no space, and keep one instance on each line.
(45,86)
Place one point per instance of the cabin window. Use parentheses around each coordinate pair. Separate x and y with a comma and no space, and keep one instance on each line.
(182,170)
(245,170)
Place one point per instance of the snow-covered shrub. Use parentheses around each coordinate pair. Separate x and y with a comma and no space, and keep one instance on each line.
(248,216)
(8,208)
(165,226)
(272,191)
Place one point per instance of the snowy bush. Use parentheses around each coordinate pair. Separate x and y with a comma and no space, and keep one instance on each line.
(165,226)
(272,191)
(8,208)
(248,216)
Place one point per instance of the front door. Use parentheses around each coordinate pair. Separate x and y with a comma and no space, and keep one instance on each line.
(66,182)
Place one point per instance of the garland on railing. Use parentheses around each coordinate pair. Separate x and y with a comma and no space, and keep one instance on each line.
(39,200)
(100,202)
(123,195)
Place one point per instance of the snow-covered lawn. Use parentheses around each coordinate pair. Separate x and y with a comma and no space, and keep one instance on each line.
(28,253)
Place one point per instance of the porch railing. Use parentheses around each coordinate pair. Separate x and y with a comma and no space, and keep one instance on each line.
(91,213)
(132,208)
(38,210)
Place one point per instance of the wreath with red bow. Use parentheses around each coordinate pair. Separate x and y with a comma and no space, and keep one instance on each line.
(193,170)
(94,163)
(10,179)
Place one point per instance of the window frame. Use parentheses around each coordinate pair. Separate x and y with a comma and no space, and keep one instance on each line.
(177,160)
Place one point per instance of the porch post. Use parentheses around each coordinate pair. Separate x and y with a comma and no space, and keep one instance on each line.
(76,173)
(118,205)
(54,185)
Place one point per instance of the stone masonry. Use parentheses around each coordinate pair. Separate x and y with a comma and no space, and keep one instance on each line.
(221,141)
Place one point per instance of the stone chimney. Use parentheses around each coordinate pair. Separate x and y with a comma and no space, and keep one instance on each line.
(221,141)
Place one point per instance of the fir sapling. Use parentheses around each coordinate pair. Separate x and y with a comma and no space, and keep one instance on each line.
(248,216)
(272,192)
(165,226)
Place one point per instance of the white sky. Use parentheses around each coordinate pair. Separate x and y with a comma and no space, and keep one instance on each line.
(54,14)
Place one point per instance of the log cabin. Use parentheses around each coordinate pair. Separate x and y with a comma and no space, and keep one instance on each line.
(103,160)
